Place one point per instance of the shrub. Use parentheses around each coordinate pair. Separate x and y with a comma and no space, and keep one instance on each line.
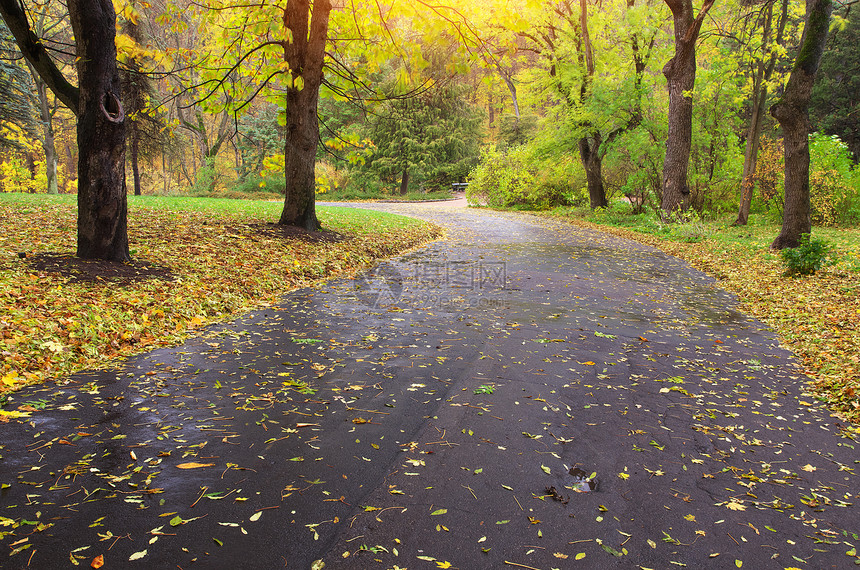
(516,178)
(770,178)
(807,258)
(833,186)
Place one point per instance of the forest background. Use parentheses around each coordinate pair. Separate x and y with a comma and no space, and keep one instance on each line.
(561,107)
(502,95)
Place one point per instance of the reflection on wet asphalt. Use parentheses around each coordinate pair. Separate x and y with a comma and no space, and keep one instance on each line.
(524,393)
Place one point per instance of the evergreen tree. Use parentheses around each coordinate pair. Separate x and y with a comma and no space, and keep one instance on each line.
(18,112)
(835,105)
(424,141)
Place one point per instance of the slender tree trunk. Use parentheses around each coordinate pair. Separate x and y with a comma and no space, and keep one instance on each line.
(512,89)
(751,156)
(135,155)
(102,210)
(792,112)
(164,170)
(305,55)
(48,140)
(680,74)
(404,182)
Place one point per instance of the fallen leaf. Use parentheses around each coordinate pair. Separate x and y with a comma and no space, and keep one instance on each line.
(98,561)
(194,465)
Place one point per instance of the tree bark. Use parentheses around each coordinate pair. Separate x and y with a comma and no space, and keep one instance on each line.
(135,155)
(305,55)
(404,183)
(792,112)
(589,152)
(102,209)
(48,140)
(680,74)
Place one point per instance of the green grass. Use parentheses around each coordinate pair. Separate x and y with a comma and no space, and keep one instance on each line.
(339,218)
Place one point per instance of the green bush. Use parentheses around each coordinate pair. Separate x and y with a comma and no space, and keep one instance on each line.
(832,184)
(807,258)
(517,179)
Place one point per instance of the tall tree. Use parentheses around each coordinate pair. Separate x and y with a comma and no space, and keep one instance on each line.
(764,67)
(792,112)
(305,54)
(680,74)
(102,209)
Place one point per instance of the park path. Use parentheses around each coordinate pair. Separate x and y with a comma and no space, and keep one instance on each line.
(523,394)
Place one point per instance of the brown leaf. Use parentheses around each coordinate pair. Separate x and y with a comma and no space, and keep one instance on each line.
(98,561)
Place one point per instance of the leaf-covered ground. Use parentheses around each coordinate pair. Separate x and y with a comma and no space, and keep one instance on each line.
(196,260)
(816,316)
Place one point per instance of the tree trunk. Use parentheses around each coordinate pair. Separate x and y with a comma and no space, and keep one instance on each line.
(792,112)
(135,154)
(589,145)
(305,55)
(751,156)
(680,74)
(102,210)
(593,164)
(48,140)
(404,182)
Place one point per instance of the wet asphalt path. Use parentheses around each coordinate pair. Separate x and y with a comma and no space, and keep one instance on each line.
(524,394)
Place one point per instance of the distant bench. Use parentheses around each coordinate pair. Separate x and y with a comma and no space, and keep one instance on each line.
(459,186)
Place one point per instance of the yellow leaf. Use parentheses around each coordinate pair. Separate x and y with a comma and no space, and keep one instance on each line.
(560,555)
(579,556)
(11,378)
(735,506)
(809,468)
(443,564)
(194,465)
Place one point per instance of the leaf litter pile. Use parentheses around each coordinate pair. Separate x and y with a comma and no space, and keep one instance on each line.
(605,405)
(61,314)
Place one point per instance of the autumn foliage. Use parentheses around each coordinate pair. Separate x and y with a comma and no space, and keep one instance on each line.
(210,265)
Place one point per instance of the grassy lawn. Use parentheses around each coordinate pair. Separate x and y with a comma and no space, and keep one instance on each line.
(816,316)
(199,260)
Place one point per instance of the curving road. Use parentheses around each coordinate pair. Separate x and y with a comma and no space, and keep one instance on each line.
(523,394)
